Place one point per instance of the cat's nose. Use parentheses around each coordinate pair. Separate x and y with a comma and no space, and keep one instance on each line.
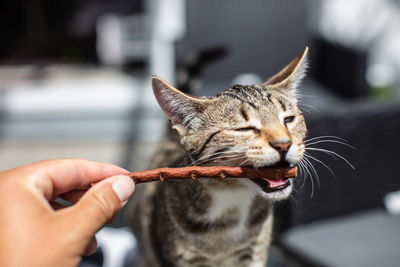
(281,147)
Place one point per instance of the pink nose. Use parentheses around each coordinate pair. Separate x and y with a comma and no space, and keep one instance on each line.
(281,147)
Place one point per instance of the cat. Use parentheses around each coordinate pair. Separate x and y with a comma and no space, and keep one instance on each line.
(214,222)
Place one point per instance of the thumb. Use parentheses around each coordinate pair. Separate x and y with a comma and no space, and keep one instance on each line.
(100,203)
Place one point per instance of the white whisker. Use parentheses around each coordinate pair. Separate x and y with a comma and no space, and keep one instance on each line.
(321,162)
(304,172)
(331,141)
(331,153)
(209,156)
(243,162)
(313,169)
(326,136)
(310,106)
(306,110)
(311,179)
(234,156)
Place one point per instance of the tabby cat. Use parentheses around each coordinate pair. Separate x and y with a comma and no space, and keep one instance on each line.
(211,222)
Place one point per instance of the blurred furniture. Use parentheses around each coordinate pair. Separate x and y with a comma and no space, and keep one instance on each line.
(364,239)
(45,31)
(340,68)
(342,223)
(256,37)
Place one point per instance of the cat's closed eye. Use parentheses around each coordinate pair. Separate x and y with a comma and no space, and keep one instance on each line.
(288,119)
(245,129)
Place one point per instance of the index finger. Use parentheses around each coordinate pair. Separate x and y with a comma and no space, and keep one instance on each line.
(58,176)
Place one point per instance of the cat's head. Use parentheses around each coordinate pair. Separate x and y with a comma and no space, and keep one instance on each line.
(257,126)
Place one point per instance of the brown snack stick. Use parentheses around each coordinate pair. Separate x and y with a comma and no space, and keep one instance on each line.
(222,172)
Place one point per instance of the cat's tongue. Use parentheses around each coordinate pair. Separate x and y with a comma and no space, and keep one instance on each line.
(275,183)
(269,185)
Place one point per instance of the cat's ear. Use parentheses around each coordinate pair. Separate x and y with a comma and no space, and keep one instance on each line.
(181,109)
(290,77)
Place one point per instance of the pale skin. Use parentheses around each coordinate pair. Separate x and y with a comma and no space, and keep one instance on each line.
(37,231)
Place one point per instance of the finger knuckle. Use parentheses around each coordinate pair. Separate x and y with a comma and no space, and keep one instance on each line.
(105,203)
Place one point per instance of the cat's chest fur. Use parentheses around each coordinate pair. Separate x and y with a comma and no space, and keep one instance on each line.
(215,227)
(235,203)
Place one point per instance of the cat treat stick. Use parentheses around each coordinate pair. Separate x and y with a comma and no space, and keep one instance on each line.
(222,172)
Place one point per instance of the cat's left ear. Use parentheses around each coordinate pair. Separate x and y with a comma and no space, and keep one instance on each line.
(290,77)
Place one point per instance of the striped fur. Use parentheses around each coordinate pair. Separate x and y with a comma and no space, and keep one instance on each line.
(209,222)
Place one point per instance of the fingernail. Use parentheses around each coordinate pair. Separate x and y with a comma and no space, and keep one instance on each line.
(123,186)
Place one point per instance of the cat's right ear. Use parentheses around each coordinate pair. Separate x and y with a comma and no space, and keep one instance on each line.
(181,109)
(289,78)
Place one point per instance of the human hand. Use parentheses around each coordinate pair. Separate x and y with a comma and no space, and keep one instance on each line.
(35,230)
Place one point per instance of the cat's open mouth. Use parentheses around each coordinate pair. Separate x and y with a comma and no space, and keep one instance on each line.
(269,185)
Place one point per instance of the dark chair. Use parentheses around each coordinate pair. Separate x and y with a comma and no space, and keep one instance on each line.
(340,221)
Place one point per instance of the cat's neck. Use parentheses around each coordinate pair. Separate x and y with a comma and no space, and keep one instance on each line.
(212,206)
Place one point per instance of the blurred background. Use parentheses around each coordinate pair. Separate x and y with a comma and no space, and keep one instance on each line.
(75,82)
